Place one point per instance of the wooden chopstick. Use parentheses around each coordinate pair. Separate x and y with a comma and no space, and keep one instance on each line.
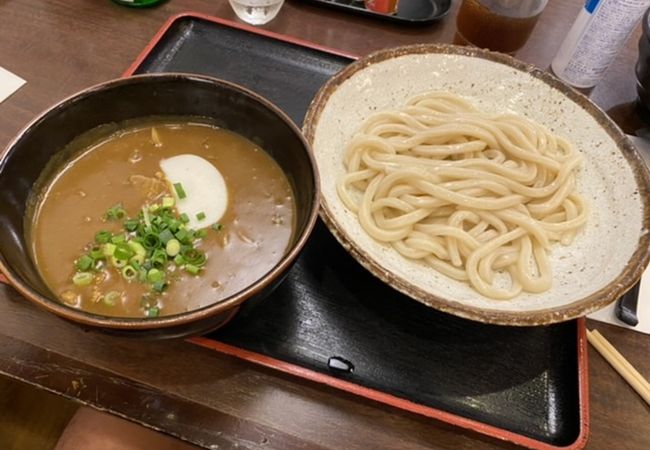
(620,358)
(620,364)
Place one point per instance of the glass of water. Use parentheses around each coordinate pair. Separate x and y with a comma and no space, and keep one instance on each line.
(256,12)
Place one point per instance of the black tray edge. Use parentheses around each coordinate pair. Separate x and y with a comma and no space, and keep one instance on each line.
(432,19)
(432,413)
(251,29)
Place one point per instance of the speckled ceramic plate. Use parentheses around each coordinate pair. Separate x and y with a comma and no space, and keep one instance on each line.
(603,262)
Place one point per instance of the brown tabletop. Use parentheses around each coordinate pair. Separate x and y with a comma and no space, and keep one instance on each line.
(62,46)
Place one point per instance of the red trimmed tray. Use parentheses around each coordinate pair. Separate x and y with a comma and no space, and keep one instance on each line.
(331,322)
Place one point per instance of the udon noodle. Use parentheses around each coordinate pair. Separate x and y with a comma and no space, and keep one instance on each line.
(480,197)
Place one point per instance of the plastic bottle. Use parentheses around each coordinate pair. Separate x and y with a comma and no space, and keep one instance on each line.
(597,35)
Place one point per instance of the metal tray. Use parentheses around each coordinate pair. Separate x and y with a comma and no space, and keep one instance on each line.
(526,385)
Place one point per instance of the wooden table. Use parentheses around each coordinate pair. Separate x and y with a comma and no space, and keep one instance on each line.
(62,46)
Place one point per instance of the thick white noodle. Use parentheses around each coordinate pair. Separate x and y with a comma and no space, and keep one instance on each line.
(479,197)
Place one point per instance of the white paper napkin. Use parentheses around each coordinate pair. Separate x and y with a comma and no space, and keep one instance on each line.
(9,83)
(607,314)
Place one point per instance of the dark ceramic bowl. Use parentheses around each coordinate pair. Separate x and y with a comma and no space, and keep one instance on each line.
(234,107)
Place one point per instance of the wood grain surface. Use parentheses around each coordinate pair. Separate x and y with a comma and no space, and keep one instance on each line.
(62,46)
(31,418)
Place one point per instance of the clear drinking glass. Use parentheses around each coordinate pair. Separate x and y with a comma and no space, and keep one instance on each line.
(499,25)
(256,12)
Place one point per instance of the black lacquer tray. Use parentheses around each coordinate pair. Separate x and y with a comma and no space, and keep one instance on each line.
(409,12)
(332,322)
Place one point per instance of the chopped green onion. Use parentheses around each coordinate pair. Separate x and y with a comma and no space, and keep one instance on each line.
(194,256)
(84,263)
(154,311)
(173,247)
(108,249)
(118,263)
(142,275)
(179,190)
(173,225)
(103,237)
(159,259)
(137,259)
(122,251)
(159,286)
(192,269)
(155,275)
(118,239)
(145,216)
(166,236)
(82,278)
(131,224)
(129,273)
(137,248)
(151,241)
(183,236)
(117,212)
(217,227)
(145,248)
(111,298)
(96,253)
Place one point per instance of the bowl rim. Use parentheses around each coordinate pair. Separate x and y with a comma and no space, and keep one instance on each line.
(630,274)
(129,323)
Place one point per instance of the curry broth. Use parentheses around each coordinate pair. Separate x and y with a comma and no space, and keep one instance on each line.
(124,168)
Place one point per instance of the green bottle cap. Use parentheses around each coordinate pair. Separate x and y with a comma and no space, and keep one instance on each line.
(138,3)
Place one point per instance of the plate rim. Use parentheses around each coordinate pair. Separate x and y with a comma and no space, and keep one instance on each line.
(630,274)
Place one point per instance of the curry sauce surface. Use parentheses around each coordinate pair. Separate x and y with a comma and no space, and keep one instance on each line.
(124,168)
